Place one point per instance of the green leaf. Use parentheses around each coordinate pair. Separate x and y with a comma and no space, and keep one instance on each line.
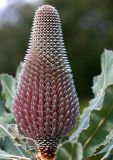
(8,89)
(108,138)
(107,150)
(104,144)
(5,155)
(3,127)
(100,125)
(12,147)
(11,141)
(9,146)
(108,153)
(100,83)
(69,150)
(5,119)
(3,113)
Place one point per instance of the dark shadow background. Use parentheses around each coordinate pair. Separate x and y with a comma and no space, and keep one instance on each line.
(87,28)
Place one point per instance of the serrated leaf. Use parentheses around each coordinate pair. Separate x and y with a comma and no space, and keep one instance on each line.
(8,89)
(12,137)
(3,127)
(11,147)
(100,125)
(5,155)
(100,83)
(5,119)
(108,153)
(95,157)
(107,150)
(107,141)
(3,113)
(8,146)
(69,150)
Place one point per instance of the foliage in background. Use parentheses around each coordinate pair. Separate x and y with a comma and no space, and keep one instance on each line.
(87,28)
(93,138)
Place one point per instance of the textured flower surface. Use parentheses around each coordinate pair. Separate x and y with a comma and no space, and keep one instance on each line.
(45,104)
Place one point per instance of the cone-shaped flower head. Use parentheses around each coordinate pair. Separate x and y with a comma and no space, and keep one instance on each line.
(45,105)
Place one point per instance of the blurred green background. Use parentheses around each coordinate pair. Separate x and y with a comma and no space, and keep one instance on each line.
(87,29)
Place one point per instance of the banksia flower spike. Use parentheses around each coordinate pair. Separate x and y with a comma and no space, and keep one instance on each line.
(45,104)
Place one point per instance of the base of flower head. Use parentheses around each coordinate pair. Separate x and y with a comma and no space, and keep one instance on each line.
(46,156)
(47,148)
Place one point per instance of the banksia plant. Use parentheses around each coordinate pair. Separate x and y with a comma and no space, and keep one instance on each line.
(45,105)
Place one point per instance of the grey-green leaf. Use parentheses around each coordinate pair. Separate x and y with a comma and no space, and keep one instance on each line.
(107,150)
(5,155)
(100,125)
(3,113)
(100,83)
(8,89)
(108,153)
(69,151)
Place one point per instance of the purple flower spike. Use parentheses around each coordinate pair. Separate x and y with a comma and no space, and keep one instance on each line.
(45,105)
